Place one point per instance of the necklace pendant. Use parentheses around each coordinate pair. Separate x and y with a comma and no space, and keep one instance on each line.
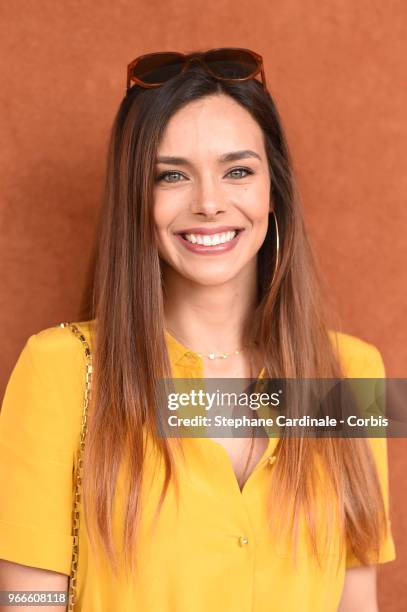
(211,356)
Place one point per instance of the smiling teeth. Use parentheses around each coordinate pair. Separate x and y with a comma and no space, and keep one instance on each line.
(210,240)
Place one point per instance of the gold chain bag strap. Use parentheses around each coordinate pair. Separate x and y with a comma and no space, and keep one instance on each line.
(78,480)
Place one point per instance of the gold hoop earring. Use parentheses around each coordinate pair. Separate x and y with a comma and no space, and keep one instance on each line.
(277,246)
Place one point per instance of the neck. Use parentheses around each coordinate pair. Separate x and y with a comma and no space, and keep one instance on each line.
(209,318)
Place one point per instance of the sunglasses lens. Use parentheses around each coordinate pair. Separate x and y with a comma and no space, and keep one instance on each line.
(158,67)
(231,63)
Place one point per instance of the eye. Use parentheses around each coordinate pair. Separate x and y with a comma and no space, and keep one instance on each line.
(163,175)
(174,174)
(247,170)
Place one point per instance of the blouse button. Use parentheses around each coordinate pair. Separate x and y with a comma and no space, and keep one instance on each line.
(271,459)
(243,540)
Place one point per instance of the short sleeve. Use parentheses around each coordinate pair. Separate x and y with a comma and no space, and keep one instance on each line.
(36,464)
(373,367)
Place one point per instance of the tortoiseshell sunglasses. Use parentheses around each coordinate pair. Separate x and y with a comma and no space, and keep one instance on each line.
(225,64)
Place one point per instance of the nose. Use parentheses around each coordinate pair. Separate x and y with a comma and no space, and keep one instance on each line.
(209,199)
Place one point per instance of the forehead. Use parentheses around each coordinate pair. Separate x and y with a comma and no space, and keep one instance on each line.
(214,123)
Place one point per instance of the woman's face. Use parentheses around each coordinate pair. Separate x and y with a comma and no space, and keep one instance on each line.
(209,198)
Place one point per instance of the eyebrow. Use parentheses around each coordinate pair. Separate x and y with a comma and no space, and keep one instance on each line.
(226,157)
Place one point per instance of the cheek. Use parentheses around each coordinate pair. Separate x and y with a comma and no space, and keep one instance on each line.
(159,218)
(167,207)
(164,215)
(159,214)
(256,204)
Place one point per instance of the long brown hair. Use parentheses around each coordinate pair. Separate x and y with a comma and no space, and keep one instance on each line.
(290,326)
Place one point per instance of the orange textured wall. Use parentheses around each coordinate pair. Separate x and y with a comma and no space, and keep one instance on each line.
(337,70)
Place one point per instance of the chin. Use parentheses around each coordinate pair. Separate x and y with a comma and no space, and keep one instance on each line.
(212,279)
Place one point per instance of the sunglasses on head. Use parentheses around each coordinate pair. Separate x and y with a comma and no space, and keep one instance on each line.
(225,64)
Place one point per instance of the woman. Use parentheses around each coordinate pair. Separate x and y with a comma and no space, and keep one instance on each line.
(201,252)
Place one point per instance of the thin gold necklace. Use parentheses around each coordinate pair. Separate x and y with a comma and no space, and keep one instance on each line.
(221,355)
(213,356)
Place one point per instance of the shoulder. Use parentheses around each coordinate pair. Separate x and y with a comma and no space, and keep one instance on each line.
(362,359)
(40,425)
(359,358)
(56,346)
(59,355)
(58,340)
(46,385)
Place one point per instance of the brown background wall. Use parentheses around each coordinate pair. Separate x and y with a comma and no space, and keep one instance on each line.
(337,71)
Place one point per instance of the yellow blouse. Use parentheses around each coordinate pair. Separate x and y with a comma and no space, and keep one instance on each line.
(216,555)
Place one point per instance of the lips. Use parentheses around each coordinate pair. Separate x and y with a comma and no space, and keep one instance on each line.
(217,249)
(209,231)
